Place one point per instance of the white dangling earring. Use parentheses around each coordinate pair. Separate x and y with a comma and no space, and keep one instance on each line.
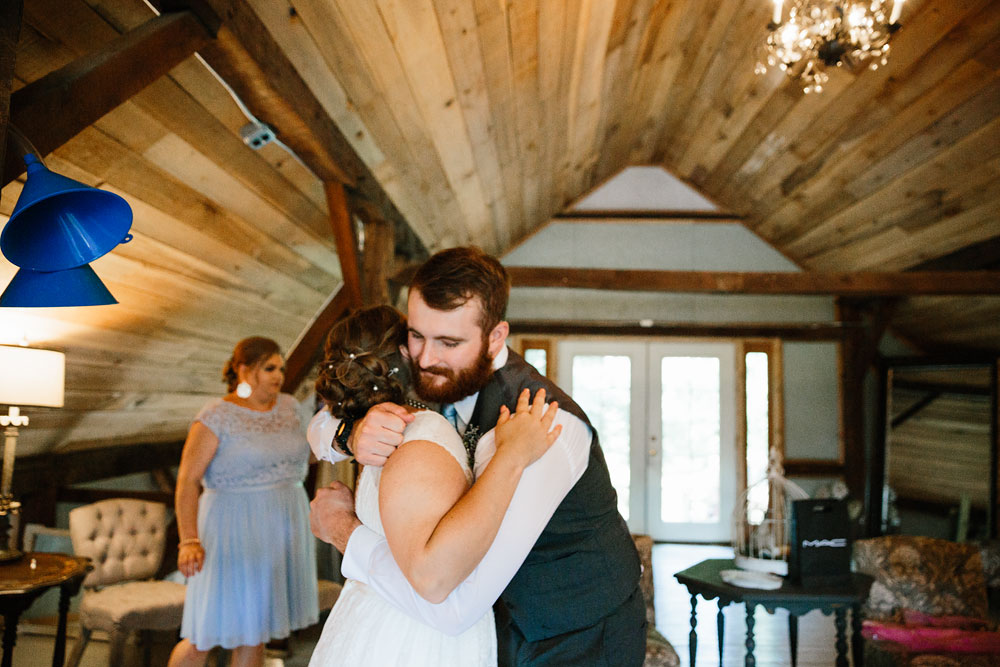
(243,390)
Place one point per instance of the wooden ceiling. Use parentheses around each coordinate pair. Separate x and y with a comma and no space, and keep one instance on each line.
(476,121)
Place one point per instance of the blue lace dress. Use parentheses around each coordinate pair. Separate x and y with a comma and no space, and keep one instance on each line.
(259,577)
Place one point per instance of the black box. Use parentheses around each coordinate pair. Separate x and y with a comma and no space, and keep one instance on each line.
(820,542)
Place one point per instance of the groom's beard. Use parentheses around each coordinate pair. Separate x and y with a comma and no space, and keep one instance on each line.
(457,386)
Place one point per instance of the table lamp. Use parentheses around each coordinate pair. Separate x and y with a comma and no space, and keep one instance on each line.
(28,376)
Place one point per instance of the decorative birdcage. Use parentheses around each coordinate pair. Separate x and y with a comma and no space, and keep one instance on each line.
(762,520)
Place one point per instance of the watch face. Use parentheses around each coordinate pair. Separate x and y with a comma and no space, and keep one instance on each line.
(343,431)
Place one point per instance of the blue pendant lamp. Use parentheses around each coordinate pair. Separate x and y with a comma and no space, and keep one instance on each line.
(57,228)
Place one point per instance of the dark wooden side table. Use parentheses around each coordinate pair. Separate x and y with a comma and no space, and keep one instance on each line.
(704,579)
(21,584)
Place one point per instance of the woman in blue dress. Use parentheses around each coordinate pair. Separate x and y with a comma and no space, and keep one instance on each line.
(245,543)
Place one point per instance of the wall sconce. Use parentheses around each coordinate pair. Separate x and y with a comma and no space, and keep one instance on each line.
(30,377)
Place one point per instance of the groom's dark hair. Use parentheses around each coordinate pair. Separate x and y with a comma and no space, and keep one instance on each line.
(451,277)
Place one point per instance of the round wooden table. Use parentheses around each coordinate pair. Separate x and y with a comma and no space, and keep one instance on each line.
(23,580)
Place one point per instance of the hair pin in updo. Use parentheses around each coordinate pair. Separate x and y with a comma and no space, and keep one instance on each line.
(350,356)
(375,388)
(393,370)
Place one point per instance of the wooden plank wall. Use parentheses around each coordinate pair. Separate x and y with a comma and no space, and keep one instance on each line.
(229,242)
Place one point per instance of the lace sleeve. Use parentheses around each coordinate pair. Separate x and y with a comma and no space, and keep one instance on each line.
(211,417)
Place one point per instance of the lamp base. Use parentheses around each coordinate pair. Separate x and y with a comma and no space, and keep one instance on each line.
(10,525)
(10,555)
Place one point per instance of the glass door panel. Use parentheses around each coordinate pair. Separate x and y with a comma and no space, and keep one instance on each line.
(606,379)
(691,476)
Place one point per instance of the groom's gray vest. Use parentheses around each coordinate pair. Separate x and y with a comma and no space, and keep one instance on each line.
(584,565)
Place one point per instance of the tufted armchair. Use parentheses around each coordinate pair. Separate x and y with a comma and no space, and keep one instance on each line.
(928,604)
(124,538)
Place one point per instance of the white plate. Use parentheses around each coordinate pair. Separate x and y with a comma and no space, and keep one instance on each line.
(748,579)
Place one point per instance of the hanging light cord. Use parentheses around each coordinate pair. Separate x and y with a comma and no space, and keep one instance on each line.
(24,144)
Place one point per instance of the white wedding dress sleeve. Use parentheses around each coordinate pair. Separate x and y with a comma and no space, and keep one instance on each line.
(364,629)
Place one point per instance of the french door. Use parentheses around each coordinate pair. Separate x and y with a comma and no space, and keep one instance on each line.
(665,413)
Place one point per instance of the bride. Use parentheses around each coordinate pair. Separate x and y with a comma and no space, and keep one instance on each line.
(438,524)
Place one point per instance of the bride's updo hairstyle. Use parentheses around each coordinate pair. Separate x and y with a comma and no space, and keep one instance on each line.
(362,365)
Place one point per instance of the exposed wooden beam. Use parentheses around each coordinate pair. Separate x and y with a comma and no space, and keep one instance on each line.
(252,63)
(627,215)
(812,468)
(858,352)
(344,236)
(793,331)
(377,260)
(10,28)
(61,104)
(732,282)
(307,348)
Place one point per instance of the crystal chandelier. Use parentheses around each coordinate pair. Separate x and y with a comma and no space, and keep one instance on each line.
(818,34)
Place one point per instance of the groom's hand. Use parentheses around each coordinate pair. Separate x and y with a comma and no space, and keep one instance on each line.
(377,435)
(332,516)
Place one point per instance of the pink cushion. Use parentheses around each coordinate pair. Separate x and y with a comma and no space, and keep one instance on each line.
(919,618)
(916,638)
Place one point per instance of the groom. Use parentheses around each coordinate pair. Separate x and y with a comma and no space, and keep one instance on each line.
(563,563)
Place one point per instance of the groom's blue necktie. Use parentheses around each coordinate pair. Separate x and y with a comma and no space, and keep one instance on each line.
(451,414)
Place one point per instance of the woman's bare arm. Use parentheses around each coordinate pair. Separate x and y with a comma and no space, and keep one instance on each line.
(438,528)
(199,449)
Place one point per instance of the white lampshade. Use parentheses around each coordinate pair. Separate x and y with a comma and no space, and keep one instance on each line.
(29,376)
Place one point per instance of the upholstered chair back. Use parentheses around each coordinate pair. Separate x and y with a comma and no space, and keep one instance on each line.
(922,574)
(123,537)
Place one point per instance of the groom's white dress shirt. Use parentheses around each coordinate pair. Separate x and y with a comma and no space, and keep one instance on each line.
(542,487)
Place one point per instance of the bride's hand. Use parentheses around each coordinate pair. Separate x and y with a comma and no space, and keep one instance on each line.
(528,433)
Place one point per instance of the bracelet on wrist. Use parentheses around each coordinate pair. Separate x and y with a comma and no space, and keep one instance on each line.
(188,541)
(343,434)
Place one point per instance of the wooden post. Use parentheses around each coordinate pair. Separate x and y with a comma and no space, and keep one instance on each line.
(10,29)
(377,260)
(851,381)
(342,225)
(859,351)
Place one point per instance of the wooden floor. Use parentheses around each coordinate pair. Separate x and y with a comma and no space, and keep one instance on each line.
(673,613)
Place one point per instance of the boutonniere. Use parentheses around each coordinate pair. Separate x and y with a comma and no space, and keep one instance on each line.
(470,439)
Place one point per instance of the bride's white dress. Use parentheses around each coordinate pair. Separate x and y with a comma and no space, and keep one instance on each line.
(364,629)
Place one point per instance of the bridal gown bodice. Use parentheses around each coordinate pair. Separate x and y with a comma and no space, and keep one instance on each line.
(364,629)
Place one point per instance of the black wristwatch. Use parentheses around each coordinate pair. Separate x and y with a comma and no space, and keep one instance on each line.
(343,434)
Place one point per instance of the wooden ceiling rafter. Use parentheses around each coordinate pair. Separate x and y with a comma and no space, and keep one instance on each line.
(346,239)
(809,331)
(60,105)
(786,283)
(250,61)
(303,353)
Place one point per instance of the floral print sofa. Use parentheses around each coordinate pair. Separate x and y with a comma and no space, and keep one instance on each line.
(928,605)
